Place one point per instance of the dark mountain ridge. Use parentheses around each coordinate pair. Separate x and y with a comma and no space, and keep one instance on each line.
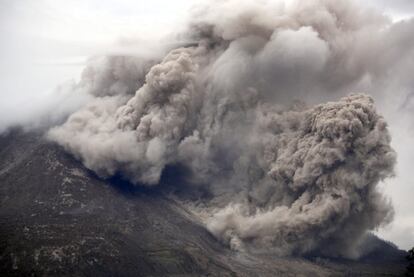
(59,219)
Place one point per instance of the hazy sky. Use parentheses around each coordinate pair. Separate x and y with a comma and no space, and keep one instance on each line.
(45,43)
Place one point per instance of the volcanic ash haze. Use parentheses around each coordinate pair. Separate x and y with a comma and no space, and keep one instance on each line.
(285,176)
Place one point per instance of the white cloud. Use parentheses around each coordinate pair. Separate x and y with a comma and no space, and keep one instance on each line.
(398,9)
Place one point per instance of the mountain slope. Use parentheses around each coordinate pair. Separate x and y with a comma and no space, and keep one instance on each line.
(59,219)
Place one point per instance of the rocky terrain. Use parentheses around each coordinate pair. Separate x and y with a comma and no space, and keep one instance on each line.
(59,219)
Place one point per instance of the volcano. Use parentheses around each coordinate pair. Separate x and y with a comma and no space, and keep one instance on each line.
(57,218)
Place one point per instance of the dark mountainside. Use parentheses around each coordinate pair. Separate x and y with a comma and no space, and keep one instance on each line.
(59,219)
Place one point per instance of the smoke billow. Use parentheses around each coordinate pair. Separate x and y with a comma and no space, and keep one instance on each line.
(241,110)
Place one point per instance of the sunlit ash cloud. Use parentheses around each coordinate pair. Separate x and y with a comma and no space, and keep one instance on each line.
(257,101)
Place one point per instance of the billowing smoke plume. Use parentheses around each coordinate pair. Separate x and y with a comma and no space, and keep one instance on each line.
(240,110)
(317,181)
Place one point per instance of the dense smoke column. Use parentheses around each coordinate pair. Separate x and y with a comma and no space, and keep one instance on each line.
(137,135)
(285,176)
(322,167)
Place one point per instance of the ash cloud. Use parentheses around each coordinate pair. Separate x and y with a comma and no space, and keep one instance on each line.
(321,167)
(286,176)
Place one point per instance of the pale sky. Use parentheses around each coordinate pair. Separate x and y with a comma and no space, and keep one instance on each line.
(45,43)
